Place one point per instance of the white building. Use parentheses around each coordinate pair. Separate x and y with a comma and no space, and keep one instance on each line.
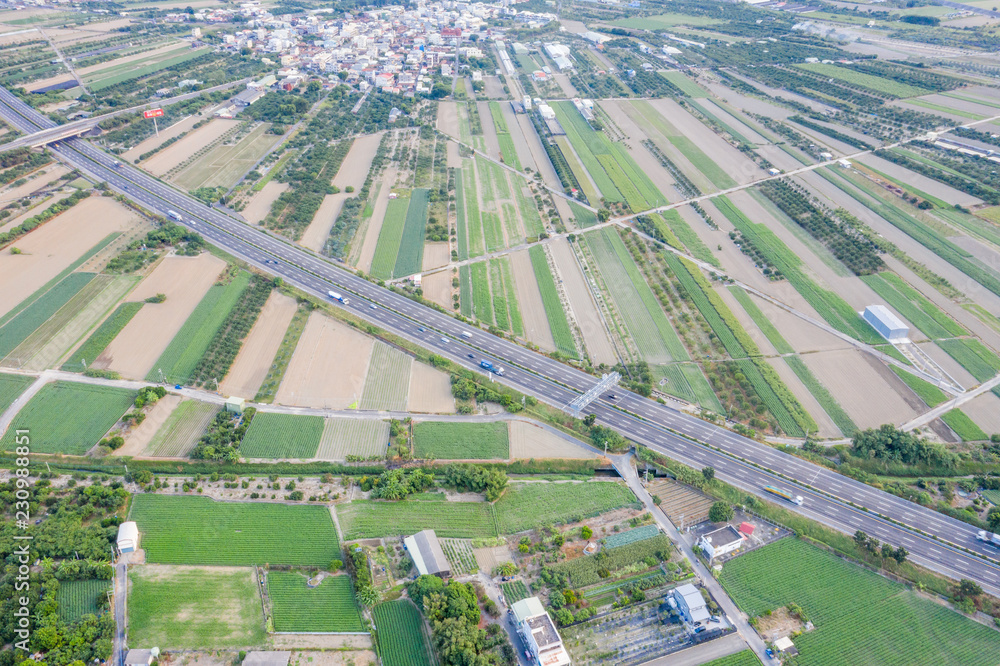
(886,323)
(691,604)
(721,541)
(128,537)
(539,633)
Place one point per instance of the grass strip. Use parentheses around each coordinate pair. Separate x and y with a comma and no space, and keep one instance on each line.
(554,312)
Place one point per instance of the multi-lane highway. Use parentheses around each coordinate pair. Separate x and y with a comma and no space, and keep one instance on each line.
(830,497)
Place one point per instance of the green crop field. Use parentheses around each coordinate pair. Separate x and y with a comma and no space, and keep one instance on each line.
(409,259)
(683,83)
(19,327)
(853,77)
(223,165)
(400,636)
(973,356)
(298,608)
(507,275)
(461,441)
(686,235)
(182,429)
(554,312)
(622,561)
(388,383)
(461,226)
(664,21)
(638,308)
(526,505)
(192,607)
(102,337)
(500,312)
(460,556)
(565,147)
(197,530)
(465,290)
(482,302)
(363,519)
(860,617)
(963,426)
(926,391)
(473,218)
(686,381)
(181,356)
(146,70)
(514,592)
(77,598)
(69,418)
(389,237)
(359,437)
(11,386)
(763,323)
(744,658)
(627,537)
(282,436)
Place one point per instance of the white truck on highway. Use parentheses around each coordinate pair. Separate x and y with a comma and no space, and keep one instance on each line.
(338,297)
(989,537)
(174,215)
(784,494)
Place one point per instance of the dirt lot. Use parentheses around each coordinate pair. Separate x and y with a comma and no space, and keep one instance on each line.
(679,500)
(985,411)
(866,393)
(315,235)
(436,255)
(447,120)
(254,360)
(374,226)
(827,428)
(530,440)
(146,145)
(536,325)
(184,280)
(36,181)
(174,155)
(52,247)
(260,204)
(595,336)
(430,391)
(328,367)
(139,437)
(437,288)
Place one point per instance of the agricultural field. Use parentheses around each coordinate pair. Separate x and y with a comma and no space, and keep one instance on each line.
(460,556)
(876,83)
(554,310)
(99,340)
(744,658)
(357,437)
(12,386)
(198,530)
(179,360)
(370,519)
(299,608)
(860,617)
(224,164)
(914,306)
(526,505)
(388,380)
(77,598)
(461,441)
(409,257)
(515,591)
(400,636)
(389,237)
(179,608)
(282,436)
(114,75)
(69,418)
(180,432)
(257,355)
(684,83)
(18,328)
(621,561)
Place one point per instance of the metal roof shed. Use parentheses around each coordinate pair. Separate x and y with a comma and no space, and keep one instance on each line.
(128,537)
(425,549)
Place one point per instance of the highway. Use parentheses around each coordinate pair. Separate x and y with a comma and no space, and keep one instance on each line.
(742,462)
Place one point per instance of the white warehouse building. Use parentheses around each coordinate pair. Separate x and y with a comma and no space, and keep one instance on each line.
(886,323)
(128,537)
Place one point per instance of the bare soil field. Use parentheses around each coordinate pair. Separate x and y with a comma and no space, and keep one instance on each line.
(737,122)
(827,428)
(315,235)
(868,396)
(437,288)
(489,130)
(517,136)
(167,133)
(430,391)
(643,158)
(436,255)
(447,120)
(36,209)
(488,559)
(254,360)
(36,181)
(138,439)
(950,365)
(352,173)
(374,226)
(50,248)
(735,163)
(536,325)
(800,334)
(923,183)
(679,500)
(260,203)
(327,657)
(985,411)
(184,280)
(172,156)
(328,367)
(454,159)
(538,154)
(595,336)
(530,440)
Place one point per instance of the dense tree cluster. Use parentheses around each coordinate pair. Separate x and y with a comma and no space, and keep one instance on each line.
(396,484)
(225,433)
(891,445)
(491,481)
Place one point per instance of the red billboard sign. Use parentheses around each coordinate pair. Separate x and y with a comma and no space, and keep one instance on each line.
(152,113)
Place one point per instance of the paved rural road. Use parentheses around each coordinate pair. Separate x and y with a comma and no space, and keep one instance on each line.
(831,498)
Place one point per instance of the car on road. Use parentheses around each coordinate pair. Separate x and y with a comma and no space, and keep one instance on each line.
(422,329)
(444,340)
(270,261)
(372,306)
(471,355)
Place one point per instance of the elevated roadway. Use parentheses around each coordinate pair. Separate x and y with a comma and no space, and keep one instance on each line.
(933,539)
